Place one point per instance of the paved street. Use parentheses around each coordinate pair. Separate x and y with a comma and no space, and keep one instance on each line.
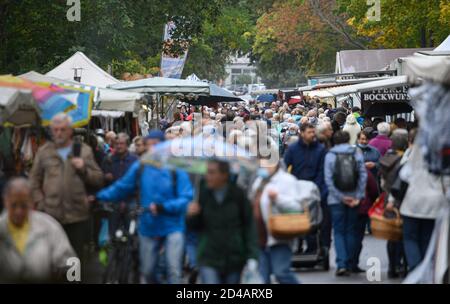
(372,248)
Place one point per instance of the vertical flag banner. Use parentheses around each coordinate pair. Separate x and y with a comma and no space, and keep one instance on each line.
(171,65)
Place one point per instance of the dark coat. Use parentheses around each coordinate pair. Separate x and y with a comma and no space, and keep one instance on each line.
(307,163)
(227,232)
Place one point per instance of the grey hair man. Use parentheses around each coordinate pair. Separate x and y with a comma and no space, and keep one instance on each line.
(62,174)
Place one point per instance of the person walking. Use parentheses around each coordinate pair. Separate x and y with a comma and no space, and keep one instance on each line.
(63,172)
(419,217)
(277,190)
(390,165)
(305,160)
(224,221)
(115,166)
(363,218)
(33,246)
(345,177)
(164,196)
(382,142)
(371,155)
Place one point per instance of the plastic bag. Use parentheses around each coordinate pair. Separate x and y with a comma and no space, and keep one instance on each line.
(103,236)
(250,274)
(378,207)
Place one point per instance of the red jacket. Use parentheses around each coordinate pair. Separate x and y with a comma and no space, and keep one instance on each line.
(371,194)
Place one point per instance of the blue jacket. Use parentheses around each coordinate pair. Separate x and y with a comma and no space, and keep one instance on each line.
(334,195)
(371,154)
(156,186)
(117,165)
(307,163)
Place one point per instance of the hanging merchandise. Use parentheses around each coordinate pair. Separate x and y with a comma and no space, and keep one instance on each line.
(432,105)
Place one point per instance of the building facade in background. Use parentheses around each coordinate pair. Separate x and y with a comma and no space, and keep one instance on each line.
(237,67)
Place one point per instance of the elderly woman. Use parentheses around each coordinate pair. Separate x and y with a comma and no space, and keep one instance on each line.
(33,246)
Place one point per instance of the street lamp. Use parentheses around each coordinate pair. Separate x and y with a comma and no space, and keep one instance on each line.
(77,72)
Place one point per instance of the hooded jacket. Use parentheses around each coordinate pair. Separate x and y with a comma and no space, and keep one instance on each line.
(352,127)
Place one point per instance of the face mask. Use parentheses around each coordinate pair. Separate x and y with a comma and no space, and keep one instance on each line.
(263,173)
(292,133)
(362,146)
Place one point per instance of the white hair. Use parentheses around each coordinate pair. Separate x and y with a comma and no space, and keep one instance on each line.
(322,127)
(61,117)
(384,128)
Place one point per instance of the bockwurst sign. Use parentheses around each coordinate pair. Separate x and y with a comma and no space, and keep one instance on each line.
(387,95)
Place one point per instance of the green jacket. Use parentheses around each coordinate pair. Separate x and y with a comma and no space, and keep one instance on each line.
(227,231)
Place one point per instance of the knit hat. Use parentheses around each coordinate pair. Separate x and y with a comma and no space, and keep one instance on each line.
(156,134)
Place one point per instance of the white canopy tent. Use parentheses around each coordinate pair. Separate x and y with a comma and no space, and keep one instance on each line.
(114,100)
(91,74)
(18,107)
(161,85)
(391,82)
(432,67)
(444,46)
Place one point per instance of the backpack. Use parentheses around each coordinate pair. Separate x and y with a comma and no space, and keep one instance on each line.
(389,169)
(346,173)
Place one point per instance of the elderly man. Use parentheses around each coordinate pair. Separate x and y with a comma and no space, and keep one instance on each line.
(61,178)
(324,132)
(115,166)
(33,246)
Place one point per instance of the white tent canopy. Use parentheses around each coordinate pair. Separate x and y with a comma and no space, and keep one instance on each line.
(391,82)
(435,68)
(444,46)
(91,74)
(114,100)
(163,85)
(38,77)
(17,106)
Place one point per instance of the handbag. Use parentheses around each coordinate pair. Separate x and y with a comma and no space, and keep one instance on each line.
(289,225)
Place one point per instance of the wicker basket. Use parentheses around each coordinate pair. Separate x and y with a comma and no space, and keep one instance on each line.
(288,226)
(387,229)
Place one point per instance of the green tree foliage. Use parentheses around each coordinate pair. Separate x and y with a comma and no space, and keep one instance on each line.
(286,39)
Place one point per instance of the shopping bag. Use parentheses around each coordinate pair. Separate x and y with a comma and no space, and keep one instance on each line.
(377,208)
(103,236)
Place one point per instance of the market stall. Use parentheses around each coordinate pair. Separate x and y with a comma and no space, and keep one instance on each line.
(165,91)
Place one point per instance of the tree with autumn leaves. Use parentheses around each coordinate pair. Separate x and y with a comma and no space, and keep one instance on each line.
(308,33)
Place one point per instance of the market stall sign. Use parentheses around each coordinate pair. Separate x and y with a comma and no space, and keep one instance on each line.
(399,94)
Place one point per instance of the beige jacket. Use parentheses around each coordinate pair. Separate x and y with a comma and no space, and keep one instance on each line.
(46,251)
(59,189)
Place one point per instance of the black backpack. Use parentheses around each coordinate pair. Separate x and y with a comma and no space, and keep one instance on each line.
(346,173)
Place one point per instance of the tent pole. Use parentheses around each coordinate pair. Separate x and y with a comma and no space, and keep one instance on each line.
(158,100)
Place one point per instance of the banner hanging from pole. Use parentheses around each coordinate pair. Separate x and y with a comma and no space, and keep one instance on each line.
(172,65)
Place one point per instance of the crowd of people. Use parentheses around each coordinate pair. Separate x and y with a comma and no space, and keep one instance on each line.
(220,225)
